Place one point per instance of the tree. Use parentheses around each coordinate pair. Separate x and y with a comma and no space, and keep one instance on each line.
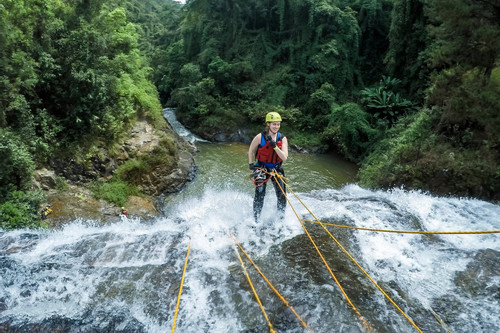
(350,130)
(374,20)
(466,34)
(406,58)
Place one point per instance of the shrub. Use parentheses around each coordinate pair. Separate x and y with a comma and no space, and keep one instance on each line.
(16,164)
(384,102)
(399,152)
(61,184)
(349,129)
(131,171)
(20,210)
(165,153)
(116,191)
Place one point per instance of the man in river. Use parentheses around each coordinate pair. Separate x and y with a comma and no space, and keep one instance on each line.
(267,152)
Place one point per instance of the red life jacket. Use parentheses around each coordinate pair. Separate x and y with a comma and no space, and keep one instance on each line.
(266,154)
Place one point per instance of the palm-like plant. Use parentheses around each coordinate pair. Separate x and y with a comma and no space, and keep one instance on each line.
(384,103)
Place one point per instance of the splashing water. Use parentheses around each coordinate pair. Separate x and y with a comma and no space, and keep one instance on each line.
(125,276)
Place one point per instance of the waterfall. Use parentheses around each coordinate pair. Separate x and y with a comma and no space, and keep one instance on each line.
(169,114)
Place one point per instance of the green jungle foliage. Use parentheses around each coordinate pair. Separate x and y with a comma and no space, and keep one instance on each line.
(453,147)
(18,205)
(385,102)
(19,210)
(360,74)
(242,58)
(70,72)
(71,75)
(407,55)
(351,130)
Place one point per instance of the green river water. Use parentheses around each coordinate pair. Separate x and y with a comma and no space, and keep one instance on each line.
(225,165)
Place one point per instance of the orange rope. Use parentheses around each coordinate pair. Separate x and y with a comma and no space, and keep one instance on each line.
(271,330)
(408,231)
(357,264)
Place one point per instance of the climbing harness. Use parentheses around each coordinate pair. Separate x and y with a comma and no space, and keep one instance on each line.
(262,175)
(259,177)
(268,282)
(180,288)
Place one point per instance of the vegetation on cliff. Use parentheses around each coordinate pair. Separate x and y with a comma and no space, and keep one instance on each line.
(72,78)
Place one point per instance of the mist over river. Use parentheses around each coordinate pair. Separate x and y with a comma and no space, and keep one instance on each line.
(88,276)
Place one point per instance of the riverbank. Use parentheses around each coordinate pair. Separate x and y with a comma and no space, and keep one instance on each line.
(78,202)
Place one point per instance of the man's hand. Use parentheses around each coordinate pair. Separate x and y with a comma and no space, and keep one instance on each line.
(251,166)
(272,143)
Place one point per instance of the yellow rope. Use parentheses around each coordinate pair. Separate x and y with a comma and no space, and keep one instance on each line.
(440,321)
(271,330)
(268,282)
(180,288)
(408,232)
(365,323)
(357,264)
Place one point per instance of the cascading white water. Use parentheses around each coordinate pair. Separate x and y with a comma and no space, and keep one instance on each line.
(124,277)
(169,115)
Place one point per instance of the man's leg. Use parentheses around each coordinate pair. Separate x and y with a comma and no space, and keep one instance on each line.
(281,198)
(258,201)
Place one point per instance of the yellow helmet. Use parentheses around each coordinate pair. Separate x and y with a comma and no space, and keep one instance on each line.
(273,116)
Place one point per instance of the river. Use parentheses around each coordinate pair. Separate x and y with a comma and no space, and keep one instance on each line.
(89,276)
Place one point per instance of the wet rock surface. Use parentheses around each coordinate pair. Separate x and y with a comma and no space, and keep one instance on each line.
(479,277)
(478,281)
(78,202)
